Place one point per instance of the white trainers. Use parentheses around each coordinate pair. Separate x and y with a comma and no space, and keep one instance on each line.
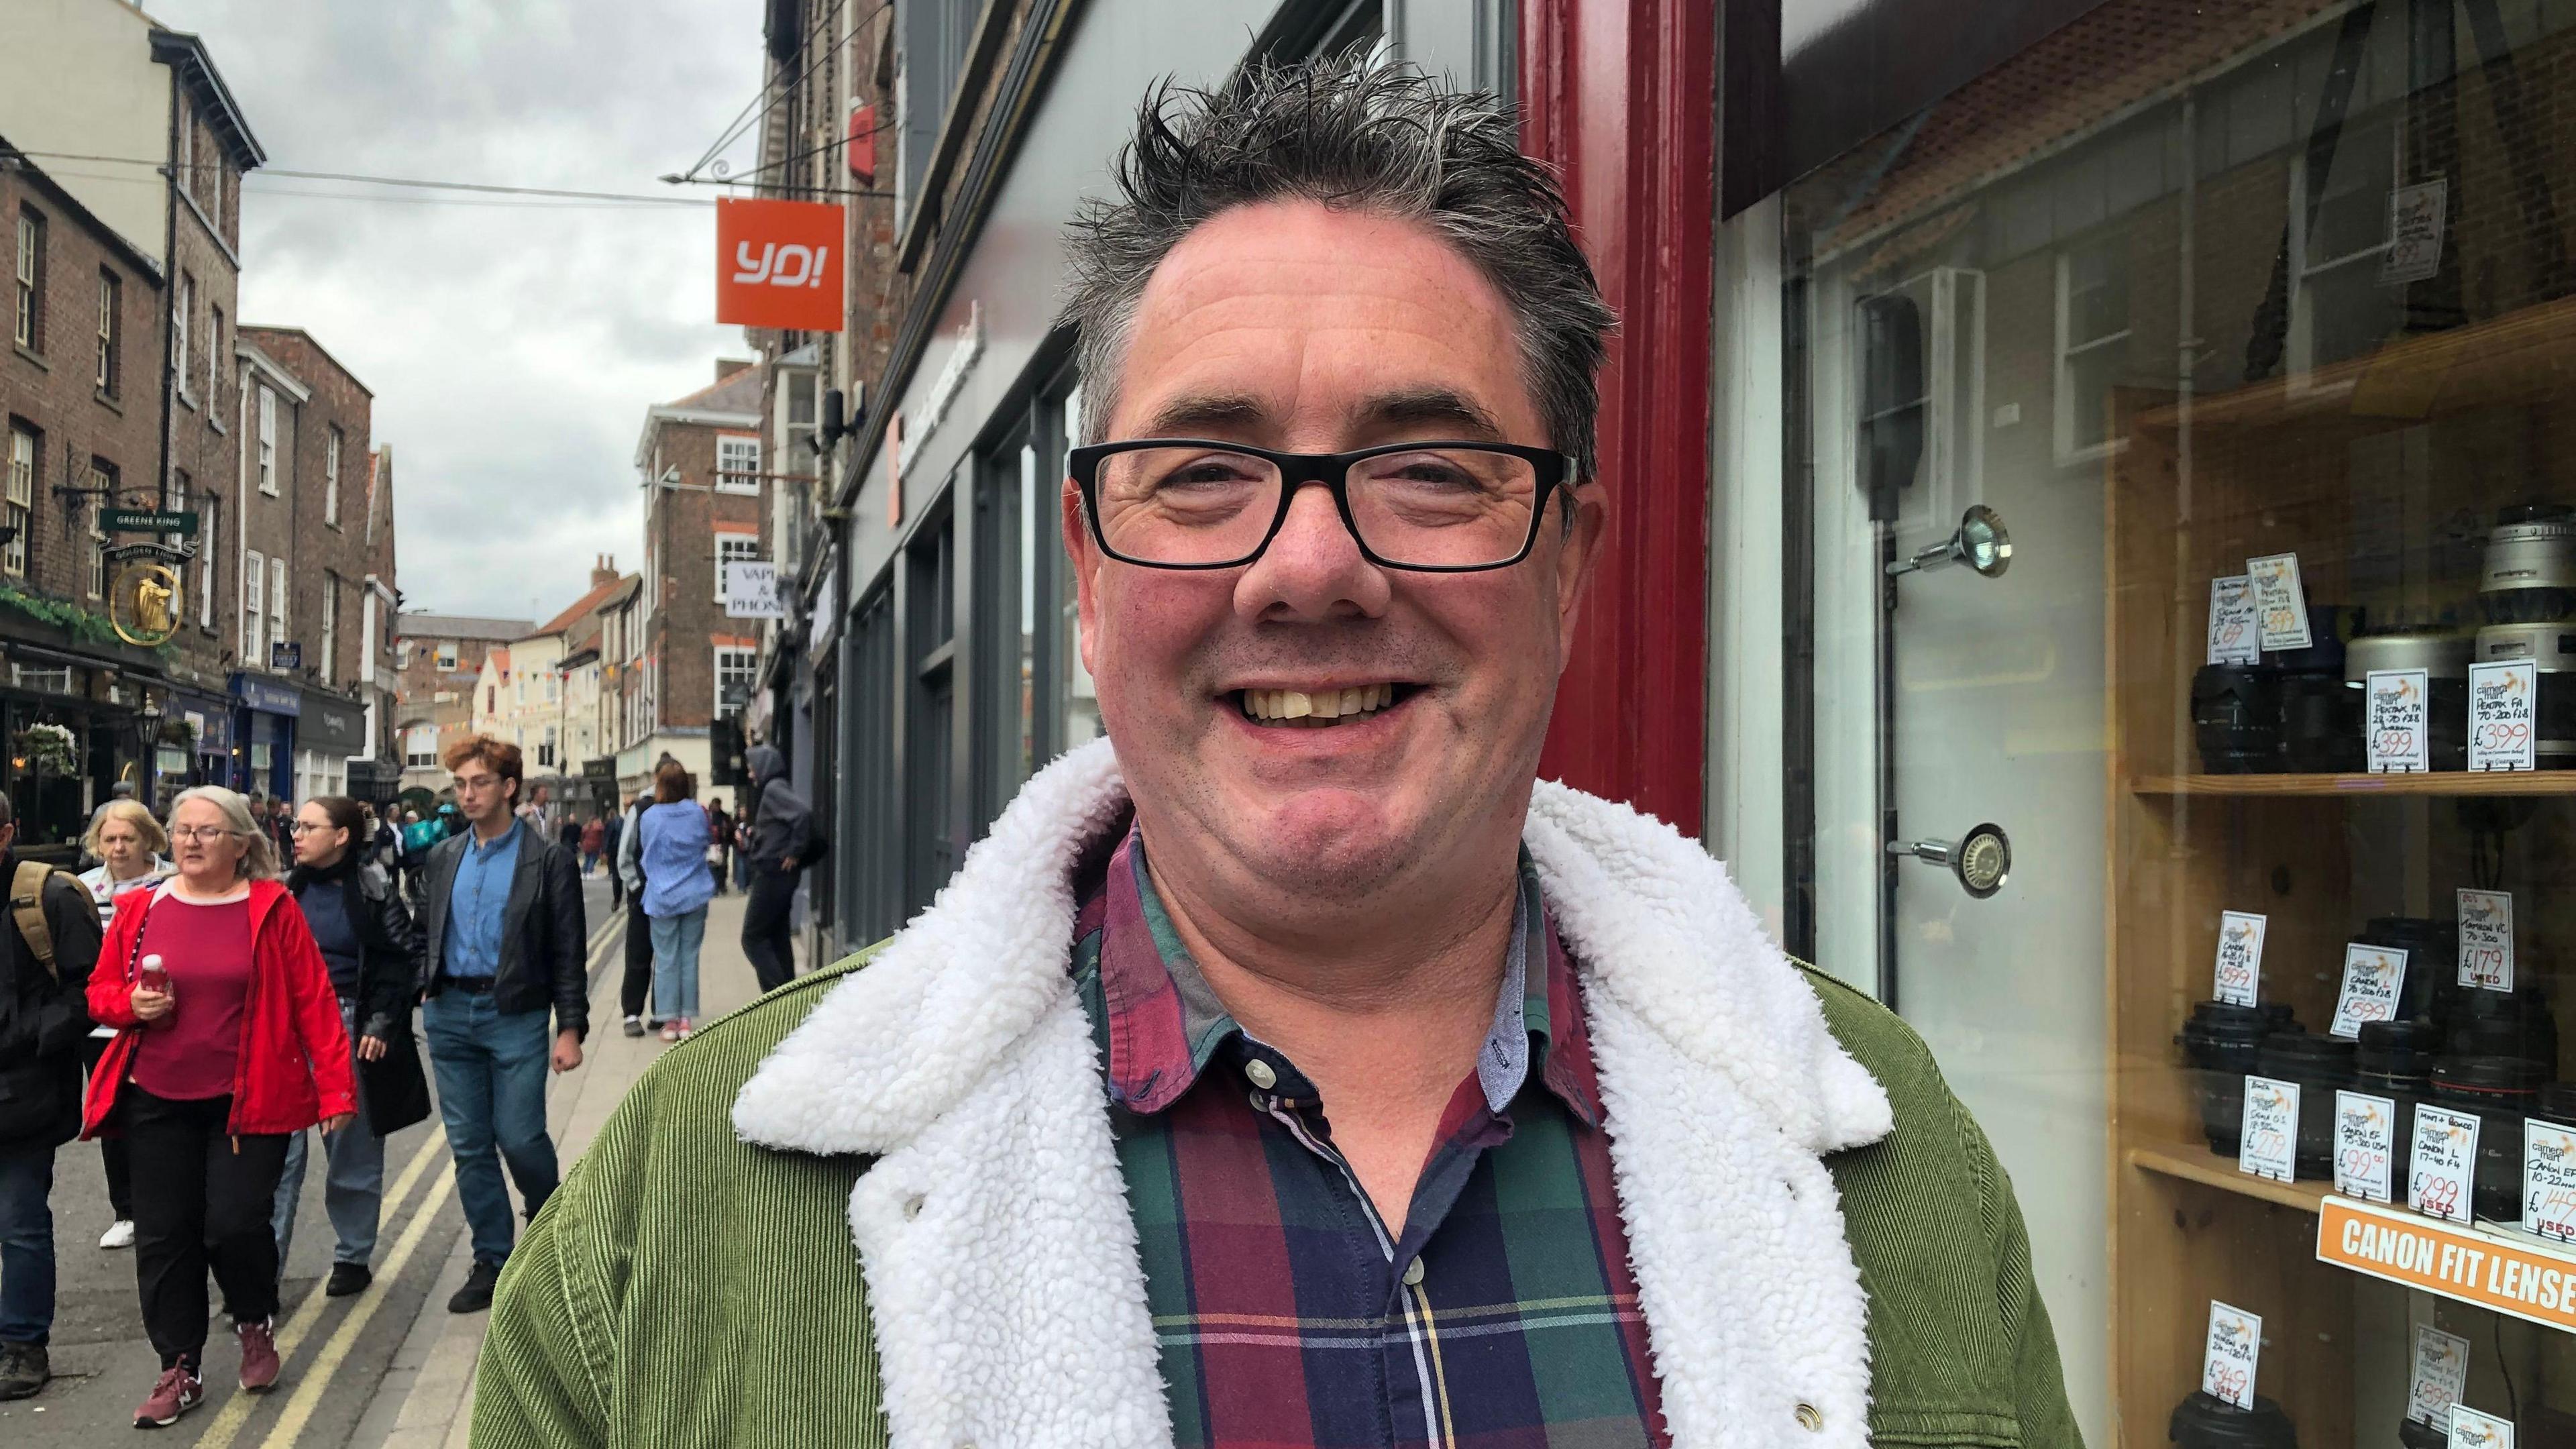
(119,1234)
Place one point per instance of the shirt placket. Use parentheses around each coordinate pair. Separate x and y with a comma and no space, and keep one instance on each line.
(1412,1372)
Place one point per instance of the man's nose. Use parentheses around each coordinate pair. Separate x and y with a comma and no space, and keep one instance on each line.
(1313,568)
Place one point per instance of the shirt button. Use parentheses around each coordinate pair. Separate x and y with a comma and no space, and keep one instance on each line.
(1811,1418)
(1257,1072)
(1413,1274)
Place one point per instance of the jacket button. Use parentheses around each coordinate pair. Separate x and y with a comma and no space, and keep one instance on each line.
(1413,1274)
(912,1207)
(1811,1419)
(1258,1072)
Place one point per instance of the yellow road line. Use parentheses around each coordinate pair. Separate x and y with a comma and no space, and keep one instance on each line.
(316,1376)
(228,1421)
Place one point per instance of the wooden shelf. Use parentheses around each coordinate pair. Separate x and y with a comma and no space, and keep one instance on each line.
(2515,359)
(2438,782)
(2192,1162)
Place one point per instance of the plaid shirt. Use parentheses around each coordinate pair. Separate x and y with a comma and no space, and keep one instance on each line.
(1504,1315)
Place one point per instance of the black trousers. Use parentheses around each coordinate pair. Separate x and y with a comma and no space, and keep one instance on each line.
(639,957)
(766,938)
(202,1199)
(120,1176)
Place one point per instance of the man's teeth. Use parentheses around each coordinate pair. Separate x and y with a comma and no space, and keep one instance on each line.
(1318,705)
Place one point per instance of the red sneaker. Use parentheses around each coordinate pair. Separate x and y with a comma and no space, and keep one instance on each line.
(174,1393)
(259,1356)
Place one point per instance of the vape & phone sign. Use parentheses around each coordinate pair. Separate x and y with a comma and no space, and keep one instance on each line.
(779,264)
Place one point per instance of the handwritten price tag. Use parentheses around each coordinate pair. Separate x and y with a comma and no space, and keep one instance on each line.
(2399,704)
(2281,599)
(2486,939)
(2549,1180)
(2240,957)
(2473,1430)
(2235,621)
(2373,978)
(2227,1362)
(2270,1146)
(2441,1374)
(2446,1162)
(2365,1145)
(2503,715)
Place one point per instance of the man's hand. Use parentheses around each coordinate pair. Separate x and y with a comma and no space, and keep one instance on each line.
(151,1005)
(338,1121)
(371,1048)
(567,1050)
(788,864)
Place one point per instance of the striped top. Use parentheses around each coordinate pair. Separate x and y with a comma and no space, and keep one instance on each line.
(1503,1315)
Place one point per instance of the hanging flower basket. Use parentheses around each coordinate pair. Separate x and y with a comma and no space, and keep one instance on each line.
(47,747)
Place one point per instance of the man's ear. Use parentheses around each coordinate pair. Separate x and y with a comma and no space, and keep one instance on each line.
(1580,548)
(1084,557)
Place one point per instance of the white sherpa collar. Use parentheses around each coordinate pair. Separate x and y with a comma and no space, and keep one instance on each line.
(992,1229)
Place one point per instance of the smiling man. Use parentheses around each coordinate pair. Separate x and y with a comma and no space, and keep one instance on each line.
(1293,1068)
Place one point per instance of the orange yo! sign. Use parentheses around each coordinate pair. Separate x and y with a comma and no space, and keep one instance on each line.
(779,264)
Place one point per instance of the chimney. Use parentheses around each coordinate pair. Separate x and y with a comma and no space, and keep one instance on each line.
(604,571)
(728,366)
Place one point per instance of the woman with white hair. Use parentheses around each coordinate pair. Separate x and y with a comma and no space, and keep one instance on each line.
(129,846)
(229,1041)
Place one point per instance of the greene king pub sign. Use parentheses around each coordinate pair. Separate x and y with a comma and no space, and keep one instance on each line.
(143,591)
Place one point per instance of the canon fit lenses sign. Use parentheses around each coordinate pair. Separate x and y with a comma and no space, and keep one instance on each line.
(779,264)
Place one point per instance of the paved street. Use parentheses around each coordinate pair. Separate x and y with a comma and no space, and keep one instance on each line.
(387,1367)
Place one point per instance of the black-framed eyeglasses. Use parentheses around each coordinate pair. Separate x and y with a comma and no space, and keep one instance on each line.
(1432,507)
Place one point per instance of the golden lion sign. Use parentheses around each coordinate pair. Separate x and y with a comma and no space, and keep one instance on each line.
(143,603)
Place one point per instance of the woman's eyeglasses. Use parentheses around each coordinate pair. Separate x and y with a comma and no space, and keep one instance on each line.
(200,832)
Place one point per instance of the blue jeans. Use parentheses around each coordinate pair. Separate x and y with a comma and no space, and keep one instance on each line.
(354,1193)
(26,1244)
(491,1073)
(675,963)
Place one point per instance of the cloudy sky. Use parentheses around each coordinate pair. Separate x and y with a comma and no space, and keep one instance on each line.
(512,346)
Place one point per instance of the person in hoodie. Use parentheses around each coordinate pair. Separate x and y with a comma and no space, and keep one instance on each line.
(782,841)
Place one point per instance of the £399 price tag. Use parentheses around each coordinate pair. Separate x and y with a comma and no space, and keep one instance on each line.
(2549,1180)
(2473,1430)
(2240,957)
(2400,705)
(2486,939)
(2373,978)
(2270,1146)
(2503,710)
(2445,1165)
(2235,622)
(2282,600)
(2441,1373)
(2227,1362)
(2365,1145)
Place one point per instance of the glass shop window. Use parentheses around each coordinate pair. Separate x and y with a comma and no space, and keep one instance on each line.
(2182,692)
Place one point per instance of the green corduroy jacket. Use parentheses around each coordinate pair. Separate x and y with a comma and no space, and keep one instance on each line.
(686,1288)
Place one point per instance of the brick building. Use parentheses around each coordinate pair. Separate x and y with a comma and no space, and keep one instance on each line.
(312,532)
(437,659)
(700,463)
(114,394)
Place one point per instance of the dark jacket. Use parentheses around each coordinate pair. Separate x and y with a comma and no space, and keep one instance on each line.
(545,935)
(44,1016)
(782,824)
(389,969)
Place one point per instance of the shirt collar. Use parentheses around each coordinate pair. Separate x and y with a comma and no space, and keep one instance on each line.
(485,850)
(1164,1022)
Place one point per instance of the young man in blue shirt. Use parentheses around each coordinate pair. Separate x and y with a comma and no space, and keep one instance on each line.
(506,938)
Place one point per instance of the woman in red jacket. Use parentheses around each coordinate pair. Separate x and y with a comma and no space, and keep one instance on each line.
(210,1073)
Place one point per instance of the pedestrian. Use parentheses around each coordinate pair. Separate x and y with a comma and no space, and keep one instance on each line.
(131,850)
(210,1074)
(281,827)
(777,846)
(719,842)
(372,947)
(1602,1163)
(741,834)
(504,951)
(594,839)
(47,950)
(676,890)
(613,835)
(635,984)
(568,833)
